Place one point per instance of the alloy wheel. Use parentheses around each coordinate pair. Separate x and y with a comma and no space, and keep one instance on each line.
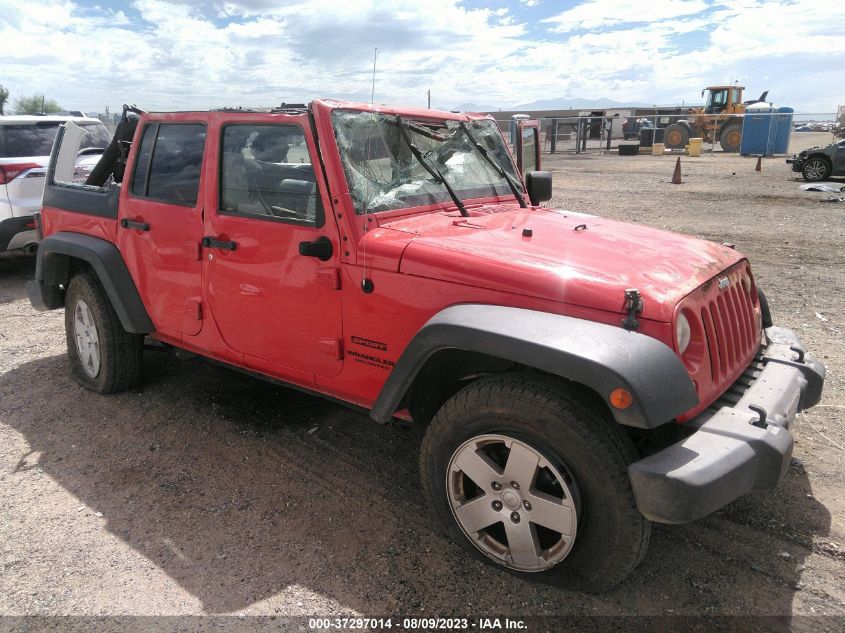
(512,502)
(815,169)
(87,338)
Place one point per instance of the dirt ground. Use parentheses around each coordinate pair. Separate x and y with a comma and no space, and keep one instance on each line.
(207,492)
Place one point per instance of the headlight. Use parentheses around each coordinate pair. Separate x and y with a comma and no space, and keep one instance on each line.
(682,333)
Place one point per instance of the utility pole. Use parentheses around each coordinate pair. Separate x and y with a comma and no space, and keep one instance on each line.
(429,99)
(373,93)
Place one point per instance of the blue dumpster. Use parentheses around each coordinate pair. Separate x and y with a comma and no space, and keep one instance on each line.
(765,130)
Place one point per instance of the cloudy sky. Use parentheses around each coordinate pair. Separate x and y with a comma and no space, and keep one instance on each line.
(203,53)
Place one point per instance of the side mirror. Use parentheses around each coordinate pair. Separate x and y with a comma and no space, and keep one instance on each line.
(539,185)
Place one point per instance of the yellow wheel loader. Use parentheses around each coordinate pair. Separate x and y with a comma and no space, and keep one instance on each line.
(719,120)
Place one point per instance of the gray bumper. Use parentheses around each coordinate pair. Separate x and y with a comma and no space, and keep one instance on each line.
(796,163)
(738,448)
(11,227)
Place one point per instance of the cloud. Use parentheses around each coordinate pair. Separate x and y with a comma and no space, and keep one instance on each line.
(601,13)
(167,54)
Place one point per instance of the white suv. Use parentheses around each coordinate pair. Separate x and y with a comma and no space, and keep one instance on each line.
(25,144)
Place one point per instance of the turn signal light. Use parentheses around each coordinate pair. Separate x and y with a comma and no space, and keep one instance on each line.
(621,398)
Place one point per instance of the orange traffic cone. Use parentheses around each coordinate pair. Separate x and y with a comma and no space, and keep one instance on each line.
(759,166)
(676,177)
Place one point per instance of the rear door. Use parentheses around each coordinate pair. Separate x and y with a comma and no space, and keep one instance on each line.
(161,224)
(528,146)
(271,256)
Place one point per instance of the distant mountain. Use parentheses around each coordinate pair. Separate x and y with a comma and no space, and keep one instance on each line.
(573,104)
(560,103)
(474,107)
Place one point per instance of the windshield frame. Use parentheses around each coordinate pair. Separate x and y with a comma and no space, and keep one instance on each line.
(491,189)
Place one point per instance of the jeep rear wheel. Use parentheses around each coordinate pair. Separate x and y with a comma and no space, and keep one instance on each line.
(531,474)
(103,356)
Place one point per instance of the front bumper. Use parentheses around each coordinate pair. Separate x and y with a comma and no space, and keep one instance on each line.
(797,163)
(738,448)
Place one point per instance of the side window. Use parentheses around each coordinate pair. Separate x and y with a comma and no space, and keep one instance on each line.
(142,162)
(169,163)
(266,172)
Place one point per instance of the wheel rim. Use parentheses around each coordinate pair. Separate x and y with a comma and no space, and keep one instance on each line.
(87,338)
(511,502)
(674,138)
(733,138)
(815,170)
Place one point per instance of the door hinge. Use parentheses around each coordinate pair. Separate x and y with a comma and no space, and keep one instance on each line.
(193,307)
(330,277)
(331,346)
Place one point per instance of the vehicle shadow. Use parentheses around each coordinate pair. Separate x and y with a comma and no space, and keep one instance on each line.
(239,490)
(15,270)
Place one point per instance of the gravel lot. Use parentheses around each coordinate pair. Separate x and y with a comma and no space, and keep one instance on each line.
(207,492)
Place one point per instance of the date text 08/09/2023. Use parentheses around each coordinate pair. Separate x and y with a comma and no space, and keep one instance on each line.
(412,624)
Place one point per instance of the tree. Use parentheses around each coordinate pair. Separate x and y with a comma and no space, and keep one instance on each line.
(4,97)
(36,104)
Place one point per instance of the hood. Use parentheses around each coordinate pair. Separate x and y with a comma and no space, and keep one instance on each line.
(560,256)
(815,148)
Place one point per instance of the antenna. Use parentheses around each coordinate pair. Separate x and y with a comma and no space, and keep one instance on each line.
(373,93)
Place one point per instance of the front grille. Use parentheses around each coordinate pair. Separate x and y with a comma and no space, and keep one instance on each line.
(736,391)
(730,326)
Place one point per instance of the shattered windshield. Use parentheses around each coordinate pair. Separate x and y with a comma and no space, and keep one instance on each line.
(383,173)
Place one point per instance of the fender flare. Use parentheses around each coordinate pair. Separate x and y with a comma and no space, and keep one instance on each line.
(52,270)
(599,356)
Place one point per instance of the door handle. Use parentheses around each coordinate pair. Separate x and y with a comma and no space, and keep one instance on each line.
(321,248)
(132,224)
(213,242)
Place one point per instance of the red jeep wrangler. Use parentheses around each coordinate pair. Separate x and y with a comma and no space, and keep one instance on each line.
(397,259)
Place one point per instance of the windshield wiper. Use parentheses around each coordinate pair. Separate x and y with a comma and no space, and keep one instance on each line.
(431,168)
(495,165)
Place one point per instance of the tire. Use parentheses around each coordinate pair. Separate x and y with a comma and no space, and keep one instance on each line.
(815,169)
(676,136)
(582,468)
(103,356)
(730,137)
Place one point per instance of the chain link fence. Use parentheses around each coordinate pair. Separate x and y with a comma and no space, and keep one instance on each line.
(752,133)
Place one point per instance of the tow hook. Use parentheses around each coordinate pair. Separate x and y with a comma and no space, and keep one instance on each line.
(633,305)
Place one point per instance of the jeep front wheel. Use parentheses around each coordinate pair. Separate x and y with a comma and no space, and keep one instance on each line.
(531,474)
(103,356)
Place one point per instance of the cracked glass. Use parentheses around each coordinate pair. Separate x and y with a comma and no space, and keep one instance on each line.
(383,174)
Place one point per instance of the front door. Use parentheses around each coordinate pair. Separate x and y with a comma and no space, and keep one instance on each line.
(839,160)
(270,256)
(160,226)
